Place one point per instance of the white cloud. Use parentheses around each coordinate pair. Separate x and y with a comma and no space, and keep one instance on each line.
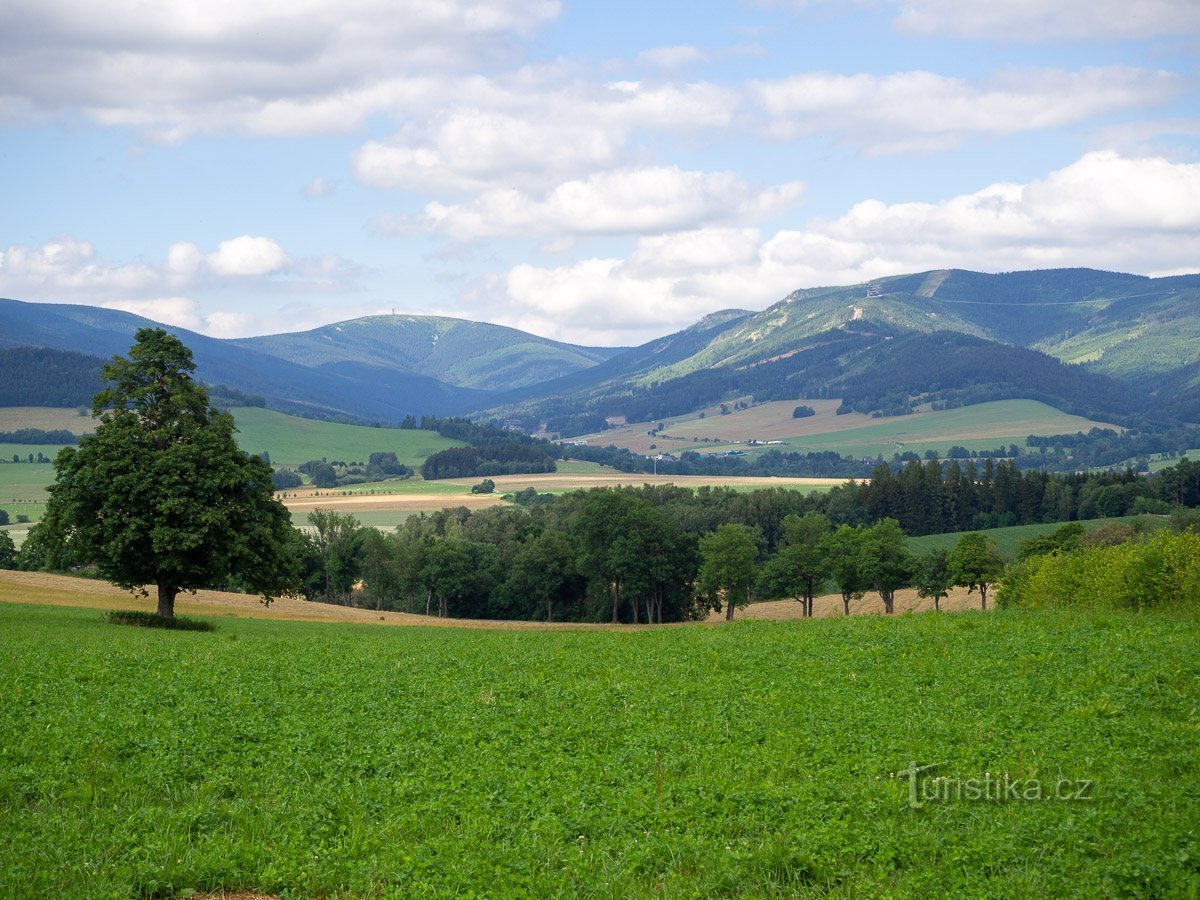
(178,311)
(1104,211)
(533,130)
(1040,20)
(909,111)
(175,68)
(69,269)
(628,201)
(247,255)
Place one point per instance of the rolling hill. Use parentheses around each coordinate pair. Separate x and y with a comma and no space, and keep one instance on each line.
(1104,345)
(1109,346)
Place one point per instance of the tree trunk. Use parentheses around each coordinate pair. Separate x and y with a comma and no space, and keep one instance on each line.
(983,597)
(846,603)
(550,610)
(166,600)
(889,601)
(616,599)
(634,604)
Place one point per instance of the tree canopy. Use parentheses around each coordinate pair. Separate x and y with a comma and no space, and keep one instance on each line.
(161,494)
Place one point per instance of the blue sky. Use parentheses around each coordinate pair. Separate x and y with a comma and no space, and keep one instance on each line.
(595,172)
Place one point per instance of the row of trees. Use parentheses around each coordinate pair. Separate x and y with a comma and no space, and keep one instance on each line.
(614,555)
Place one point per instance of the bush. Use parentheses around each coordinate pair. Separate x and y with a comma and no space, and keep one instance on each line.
(142,619)
(803,412)
(1161,572)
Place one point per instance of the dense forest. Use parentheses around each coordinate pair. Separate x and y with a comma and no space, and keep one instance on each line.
(38,376)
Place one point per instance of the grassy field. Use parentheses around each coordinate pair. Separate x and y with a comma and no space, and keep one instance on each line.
(982,426)
(1007,539)
(24,482)
(291,440)
(389,504)
(47,418)
(758,759)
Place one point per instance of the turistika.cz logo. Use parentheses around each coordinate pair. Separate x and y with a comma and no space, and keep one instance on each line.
(924,787)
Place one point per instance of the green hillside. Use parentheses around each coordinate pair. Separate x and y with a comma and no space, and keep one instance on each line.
(455,351)
(291,440)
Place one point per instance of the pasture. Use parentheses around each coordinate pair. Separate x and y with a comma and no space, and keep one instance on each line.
(1008,538)
(291,440)
(390,503)
(314,759)
(982,426)
(47,418)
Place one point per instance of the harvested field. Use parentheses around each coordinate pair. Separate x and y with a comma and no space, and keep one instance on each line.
(64,590)
(430,496)
(830,605)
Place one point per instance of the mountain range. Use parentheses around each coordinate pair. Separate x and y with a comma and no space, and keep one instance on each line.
(1121,347)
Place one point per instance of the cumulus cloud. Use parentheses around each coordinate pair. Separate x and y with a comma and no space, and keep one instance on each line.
(177,68)
(1029,20)
(1038,20)
(70,269)
(535,130)
(1104,210)
(247,255)
(628,201)
(538,129)
(909,111)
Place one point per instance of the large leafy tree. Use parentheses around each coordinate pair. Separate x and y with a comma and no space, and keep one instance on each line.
(728,566)
(887,563)
(847,563)
(976,564)
(801,565)
(161,494)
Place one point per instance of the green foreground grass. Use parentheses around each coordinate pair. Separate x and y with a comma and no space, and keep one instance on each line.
(314,760)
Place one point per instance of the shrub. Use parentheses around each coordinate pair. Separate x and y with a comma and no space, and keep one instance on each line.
(1161,572)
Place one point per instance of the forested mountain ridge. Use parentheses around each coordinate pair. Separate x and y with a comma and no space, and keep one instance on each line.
(1120,347)
(459,352)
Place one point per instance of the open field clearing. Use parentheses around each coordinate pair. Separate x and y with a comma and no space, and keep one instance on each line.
(829,605)
(405,498)
(1007,539)
(314,759)
(982,426)
(24,482)
(43,588)
(561,481)
(291,440)
(64,590)
(767,421)
(47,418)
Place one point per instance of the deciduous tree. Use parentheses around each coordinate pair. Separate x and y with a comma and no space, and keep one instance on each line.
(161,494)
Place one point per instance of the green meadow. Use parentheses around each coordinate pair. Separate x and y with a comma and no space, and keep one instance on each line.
(1008,539)
(982,426)
(291,440)
(759,759)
